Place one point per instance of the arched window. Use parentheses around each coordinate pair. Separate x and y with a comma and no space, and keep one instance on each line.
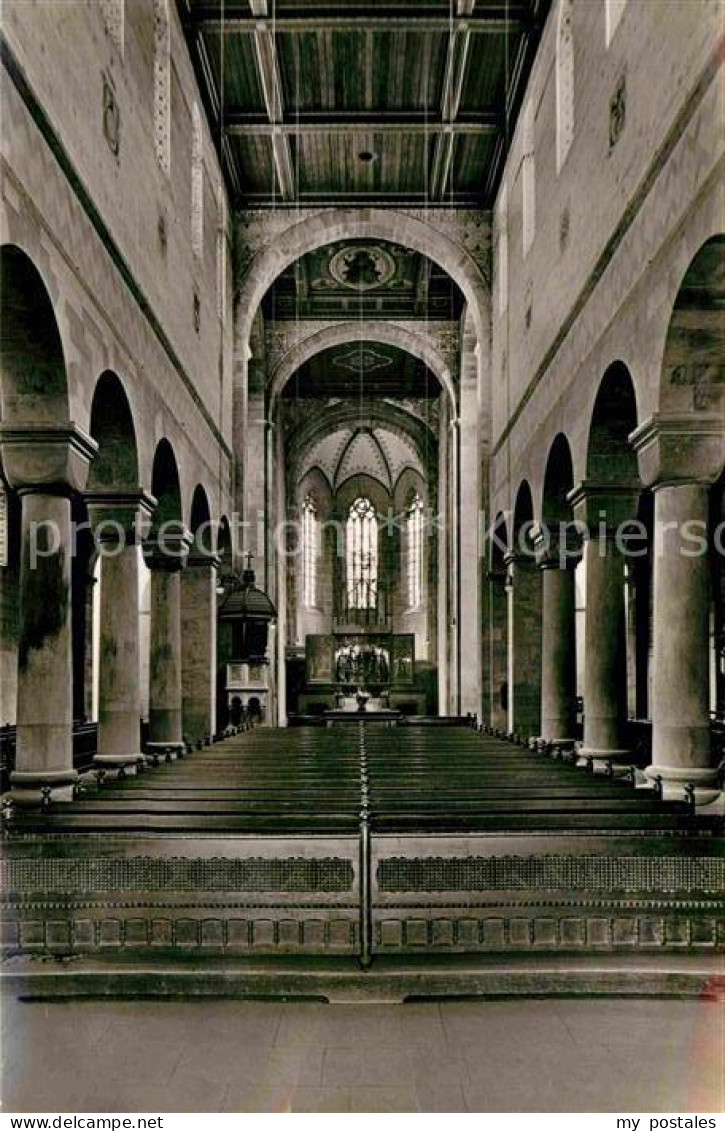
(309,552)
(197,183)
(162,84)
(564,82)
(528,178)
(362,555)
(415,551)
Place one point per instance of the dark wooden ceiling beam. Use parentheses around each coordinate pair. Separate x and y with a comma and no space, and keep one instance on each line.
(240,124)
(235,21)
(210,97)
(520,71)
(269,76)
(459,43)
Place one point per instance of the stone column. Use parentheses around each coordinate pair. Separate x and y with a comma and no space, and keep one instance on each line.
(198,645)
(45,464)
(524,585)
(498,649)
(680,458)
(469,559)
(557,560)
(88,658)
(558,663)
(280,573)
(255,465)
(166,736)
(454,579)
(601,511)
(117,519)
(442,558)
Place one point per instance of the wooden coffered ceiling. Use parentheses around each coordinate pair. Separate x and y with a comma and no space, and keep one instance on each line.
(406,102)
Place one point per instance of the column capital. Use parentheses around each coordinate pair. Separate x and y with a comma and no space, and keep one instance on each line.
(167,551)
(674,449)
(130,510)
(50,459)
(603,504)
(558,547)
(514,560)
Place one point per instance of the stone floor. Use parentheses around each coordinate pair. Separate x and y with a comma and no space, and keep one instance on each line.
(482,1056)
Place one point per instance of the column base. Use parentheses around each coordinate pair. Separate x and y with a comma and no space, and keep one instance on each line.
(164,751)
(562,743)
(677,779)
(600,758)
(119,765)
(38,788)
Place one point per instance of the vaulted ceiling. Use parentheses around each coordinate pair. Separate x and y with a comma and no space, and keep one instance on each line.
(405,102)
(348,452)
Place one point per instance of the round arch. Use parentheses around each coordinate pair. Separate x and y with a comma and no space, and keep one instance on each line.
(385,333)
(610,455)
(558,482)
(369,223)
(523,520)
(692,368)
(166,485)
(33,381)
(200,521)
(112,427)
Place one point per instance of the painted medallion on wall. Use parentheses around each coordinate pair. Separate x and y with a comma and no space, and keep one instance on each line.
(362,268)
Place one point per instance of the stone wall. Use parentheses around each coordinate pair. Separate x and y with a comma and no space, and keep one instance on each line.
(111,232)
(615,228)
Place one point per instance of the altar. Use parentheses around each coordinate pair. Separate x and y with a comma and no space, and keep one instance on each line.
(374,662)
(338,666)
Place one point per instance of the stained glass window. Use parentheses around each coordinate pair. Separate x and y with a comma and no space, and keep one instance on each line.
(415,551)
(362,555)
(309,552)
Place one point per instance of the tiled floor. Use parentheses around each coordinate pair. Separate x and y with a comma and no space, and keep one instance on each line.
(484,1056)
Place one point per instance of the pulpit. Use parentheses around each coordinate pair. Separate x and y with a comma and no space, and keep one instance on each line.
(248,612)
